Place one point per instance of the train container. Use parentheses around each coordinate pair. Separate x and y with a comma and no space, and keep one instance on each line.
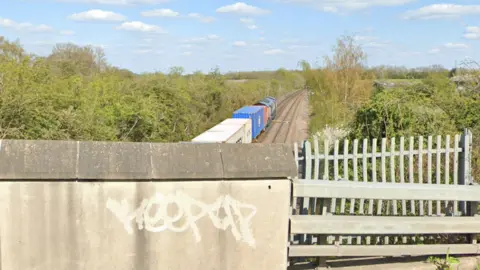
(256,114)
(226,134)
(266,113)
(271,109)
(245,122)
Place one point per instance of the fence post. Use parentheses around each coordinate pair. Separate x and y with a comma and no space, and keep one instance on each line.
(470,207)
(464,163)
(307,175)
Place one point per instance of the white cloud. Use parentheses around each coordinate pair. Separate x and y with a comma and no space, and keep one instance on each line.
(241,8)
(239,44)
(201,39)
(274,51)
(147,51)
(456,46)
(441,11)
(472,32)
(7,23)
(247,20)
(450,46)
(164,12)
(67,33)
(374,44)
(213,37)
(97,15)
(141,27)
(187,53)
(117,2)
(201,18)
(334,6)
(250,23)
(364,38)
(370,41)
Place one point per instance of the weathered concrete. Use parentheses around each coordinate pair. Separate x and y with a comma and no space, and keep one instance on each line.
(151,161)
(198,225)
(205,206)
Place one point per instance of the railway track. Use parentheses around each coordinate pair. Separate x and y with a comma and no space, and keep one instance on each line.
(282,128)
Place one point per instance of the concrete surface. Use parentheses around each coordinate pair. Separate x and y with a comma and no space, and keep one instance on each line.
(54,160)
(86,205)
(198,225)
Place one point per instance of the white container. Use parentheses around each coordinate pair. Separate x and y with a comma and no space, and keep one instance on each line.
(246,123)
(224,134)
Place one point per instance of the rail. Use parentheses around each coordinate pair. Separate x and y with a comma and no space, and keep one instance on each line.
(384,197)
(327,224)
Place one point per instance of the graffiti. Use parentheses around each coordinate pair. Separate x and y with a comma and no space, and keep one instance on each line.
(152,215)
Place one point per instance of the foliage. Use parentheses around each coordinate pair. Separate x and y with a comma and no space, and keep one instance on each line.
(74,94)
(338,88)
(442,264)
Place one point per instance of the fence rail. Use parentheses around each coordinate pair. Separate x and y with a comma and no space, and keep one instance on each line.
(420,193)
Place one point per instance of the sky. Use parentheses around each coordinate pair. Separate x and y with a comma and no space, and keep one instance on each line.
(155,35)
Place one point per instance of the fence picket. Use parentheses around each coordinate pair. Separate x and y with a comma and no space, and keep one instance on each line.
(345,173)
(455,169)
(333,208)
(420,170)
(365,172)
(410,171)
(316,151)
(447,164)
(438,169)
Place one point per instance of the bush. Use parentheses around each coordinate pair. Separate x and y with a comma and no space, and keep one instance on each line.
(73,94)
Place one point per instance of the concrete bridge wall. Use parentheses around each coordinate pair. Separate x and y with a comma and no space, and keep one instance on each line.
(143,205)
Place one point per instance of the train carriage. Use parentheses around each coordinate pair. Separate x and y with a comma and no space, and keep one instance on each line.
(245,125)
(256,114)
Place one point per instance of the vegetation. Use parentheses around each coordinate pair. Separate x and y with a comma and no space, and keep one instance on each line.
(345,101)
(443,264)
(74,94)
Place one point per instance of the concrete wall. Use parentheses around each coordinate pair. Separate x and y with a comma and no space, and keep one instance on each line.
(191,206)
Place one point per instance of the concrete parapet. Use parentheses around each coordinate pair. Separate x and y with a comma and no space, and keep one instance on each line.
(56,160)
(174,225)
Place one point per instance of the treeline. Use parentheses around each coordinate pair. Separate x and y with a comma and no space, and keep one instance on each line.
(74,94)
(261,75)
(403,73)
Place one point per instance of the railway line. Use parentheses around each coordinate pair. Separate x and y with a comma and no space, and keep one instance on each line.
(283,128)
(266,121)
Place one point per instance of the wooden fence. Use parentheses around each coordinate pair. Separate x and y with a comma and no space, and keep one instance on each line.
(419,200)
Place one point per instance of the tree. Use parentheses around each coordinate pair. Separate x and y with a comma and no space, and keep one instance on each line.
(69,59)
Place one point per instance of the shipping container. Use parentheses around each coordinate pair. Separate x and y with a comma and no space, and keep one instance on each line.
(271,110)
(256,114)
(245,122)
(231,134)
(265,113)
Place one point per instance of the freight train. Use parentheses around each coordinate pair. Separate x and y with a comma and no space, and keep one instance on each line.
(245,125)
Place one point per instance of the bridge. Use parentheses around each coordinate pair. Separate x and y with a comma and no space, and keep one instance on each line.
(106,205)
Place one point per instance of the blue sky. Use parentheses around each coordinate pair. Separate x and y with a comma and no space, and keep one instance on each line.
(154,35)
